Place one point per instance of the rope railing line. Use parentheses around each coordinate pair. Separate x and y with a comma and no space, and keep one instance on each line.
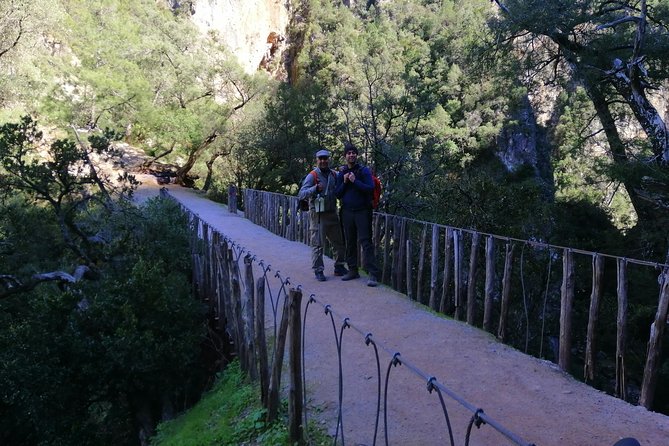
(534,243)
(457,285)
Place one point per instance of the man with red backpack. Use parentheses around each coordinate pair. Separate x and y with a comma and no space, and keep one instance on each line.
(355,190)
(318,188)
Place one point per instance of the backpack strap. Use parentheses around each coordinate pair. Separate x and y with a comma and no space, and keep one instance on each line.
(315,175)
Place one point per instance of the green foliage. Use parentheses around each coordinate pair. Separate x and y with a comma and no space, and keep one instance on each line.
(82,360)
(100,351)
(26,38)
(229,414)
(487,198)
(589,46)
(61,177)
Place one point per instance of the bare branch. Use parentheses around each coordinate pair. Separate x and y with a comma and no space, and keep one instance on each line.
(111,107)
(10,285)
(617,22)
(93,170)
(16,40)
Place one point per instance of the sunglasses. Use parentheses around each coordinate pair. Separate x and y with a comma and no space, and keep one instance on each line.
(323,157)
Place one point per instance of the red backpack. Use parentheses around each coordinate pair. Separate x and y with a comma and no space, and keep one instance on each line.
(376,194)
(378,189)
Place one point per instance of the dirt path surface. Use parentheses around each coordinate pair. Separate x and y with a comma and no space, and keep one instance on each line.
(529,397)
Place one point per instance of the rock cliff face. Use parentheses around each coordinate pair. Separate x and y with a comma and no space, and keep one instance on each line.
(254,30)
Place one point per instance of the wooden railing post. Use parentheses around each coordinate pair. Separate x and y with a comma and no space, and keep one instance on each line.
(506,291)
(457,273)
(566,306)
(386,247)
(434,267)
(248,308)
(654,350)
(397,249)
(593,317)
(421,266)
(232,199)
(621,332)
(409,272)
(277,363)
(236,300)
(471,281)
(489,281)
(295,409)
(226,285)
(261,342)
(444,304)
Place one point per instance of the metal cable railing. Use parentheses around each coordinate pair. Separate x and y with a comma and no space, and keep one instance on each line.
(230,295)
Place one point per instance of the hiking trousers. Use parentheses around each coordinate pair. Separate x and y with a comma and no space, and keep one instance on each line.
(358,232)
(322,226)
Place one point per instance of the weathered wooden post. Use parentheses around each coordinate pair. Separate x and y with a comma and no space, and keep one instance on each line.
(275,379)
(506,290)
(443,305)
(226,284)
(434,267)
(621,324)
(397,249)
(409,256)
(471,281)
(295,409)
(657,328)
(232,199)
(386,247)
(261,342)
(236,306)
(421,266)
(593,317)
(248,307)
(489,282)
(566,306)
(457,273)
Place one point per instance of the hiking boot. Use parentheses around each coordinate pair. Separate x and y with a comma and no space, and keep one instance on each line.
(371,281)
(351,274)
(320,276)
(340,270)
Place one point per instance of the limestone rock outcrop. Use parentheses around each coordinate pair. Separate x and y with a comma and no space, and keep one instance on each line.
(254,30)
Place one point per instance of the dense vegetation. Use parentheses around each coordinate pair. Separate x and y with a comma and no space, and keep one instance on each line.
(523,118)
(473,114)
(99,333)
(229,414)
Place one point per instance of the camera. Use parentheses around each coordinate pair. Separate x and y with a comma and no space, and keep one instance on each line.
(319,204)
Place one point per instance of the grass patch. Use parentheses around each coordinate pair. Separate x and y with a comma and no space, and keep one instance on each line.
(229,414)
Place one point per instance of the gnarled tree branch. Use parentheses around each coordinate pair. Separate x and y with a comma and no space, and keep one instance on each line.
(10,285)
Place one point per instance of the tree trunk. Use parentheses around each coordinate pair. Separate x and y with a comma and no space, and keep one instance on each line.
(193,156)
(210,170)
(642,208)
(646,114)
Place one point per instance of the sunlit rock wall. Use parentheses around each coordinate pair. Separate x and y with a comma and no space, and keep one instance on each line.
(253,29)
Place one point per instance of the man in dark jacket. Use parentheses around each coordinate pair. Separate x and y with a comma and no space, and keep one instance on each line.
(354,190)
(318,187)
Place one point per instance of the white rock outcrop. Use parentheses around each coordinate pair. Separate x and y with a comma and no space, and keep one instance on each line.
(249,27)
